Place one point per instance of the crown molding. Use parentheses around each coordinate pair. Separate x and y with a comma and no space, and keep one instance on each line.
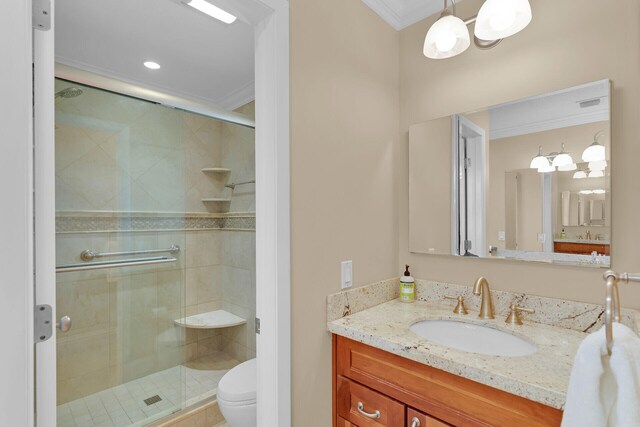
(238,97)
(550,124)
(400,14)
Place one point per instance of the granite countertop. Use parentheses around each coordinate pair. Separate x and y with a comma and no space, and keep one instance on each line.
(542,376)
(583,241)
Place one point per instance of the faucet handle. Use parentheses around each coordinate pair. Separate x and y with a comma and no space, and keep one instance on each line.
(460,308)
(514,317)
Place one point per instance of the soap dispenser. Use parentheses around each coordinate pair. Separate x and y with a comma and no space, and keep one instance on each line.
(407,287)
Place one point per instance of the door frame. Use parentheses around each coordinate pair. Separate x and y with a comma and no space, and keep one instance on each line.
(478,154)
(16,219)
(270,19)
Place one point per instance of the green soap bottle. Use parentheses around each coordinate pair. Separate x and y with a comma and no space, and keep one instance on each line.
(407,287)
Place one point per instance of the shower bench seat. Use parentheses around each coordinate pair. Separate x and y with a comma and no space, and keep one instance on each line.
(211,320)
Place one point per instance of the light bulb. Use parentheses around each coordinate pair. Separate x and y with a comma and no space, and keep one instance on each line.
(498,19)
(580,175)
(447,37)
(446,40)
(596,174)
(593,153)
(151,65)
(586,192)
(562,159)
(599,191)
(539,162)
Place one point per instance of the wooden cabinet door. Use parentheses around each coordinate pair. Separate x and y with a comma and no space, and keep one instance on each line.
(344,423)
(418,419)
(367,408)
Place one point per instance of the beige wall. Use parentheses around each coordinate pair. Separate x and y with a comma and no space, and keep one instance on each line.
(429,188)
(350,172)
(344,137)
(567,43)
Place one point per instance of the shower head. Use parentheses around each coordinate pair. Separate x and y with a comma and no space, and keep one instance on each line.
(70,92)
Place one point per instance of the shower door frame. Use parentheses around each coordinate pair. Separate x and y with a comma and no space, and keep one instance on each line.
(270,19)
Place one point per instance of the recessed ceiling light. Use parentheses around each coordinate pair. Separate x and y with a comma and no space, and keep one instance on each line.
(211,10)
(151,65)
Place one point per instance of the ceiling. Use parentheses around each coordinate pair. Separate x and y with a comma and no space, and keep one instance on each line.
(402,13)
(554,110)
(201,57)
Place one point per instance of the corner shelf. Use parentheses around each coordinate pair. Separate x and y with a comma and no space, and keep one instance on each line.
(216,170)
(211,320)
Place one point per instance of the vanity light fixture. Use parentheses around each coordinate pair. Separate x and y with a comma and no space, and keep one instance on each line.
(499,19)
(539,161)
(447,37)
(596,174)
(599,191)
(599,165)
(211,10)
(549,162)
(568,168)
(586,192)
(594,152)
(546,169)
(496,20)
(562,158)
(580,175)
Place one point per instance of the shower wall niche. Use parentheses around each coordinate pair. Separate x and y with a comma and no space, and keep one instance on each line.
(129,177)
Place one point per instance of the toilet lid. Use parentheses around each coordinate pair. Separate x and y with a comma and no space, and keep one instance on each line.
(239,384)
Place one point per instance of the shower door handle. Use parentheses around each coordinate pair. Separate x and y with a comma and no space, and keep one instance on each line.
(64,324)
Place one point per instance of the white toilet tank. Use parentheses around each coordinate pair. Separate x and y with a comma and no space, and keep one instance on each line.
(237,395)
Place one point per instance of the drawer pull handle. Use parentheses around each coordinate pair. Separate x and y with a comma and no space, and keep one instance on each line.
(375,415)
(415,422)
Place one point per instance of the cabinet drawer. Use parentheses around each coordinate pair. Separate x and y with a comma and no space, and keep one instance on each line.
(424,420)
(355,401)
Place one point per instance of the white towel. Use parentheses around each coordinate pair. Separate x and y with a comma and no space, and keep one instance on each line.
(604,391)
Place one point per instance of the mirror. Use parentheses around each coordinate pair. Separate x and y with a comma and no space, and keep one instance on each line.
(525,180)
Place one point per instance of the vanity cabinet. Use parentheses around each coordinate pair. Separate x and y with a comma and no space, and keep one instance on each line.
(580,248)
(367,379)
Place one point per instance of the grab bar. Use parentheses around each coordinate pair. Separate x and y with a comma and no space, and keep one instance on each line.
(234,184)
(612,305)
(113,264)
(88,255)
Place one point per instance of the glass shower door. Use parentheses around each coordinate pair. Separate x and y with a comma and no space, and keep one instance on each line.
(120,239)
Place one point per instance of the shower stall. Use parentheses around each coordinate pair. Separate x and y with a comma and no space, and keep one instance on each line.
(155,255)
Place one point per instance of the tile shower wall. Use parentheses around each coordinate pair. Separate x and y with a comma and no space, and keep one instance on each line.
(124,318)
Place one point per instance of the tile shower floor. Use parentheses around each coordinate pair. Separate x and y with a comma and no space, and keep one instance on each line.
(124,404)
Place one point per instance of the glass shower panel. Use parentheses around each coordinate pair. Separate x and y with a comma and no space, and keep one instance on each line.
(120,197)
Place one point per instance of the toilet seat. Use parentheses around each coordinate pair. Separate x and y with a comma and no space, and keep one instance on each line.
(238,386)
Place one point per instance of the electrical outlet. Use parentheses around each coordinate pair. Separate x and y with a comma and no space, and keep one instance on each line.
(346,269)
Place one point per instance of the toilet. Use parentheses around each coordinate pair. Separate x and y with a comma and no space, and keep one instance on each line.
(237,395)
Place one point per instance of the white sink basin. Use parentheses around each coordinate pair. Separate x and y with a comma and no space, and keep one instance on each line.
(472,338)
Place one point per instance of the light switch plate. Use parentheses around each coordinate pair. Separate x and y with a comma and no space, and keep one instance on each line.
(501,236)
(346,274)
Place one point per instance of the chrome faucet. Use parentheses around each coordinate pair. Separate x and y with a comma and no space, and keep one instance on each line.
(481,287)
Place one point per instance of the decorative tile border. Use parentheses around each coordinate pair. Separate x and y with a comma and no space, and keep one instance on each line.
(82,222)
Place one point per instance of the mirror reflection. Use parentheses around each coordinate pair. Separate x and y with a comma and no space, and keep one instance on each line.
(526,180)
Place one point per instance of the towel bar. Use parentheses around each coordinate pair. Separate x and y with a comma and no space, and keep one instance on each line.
(612,302)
